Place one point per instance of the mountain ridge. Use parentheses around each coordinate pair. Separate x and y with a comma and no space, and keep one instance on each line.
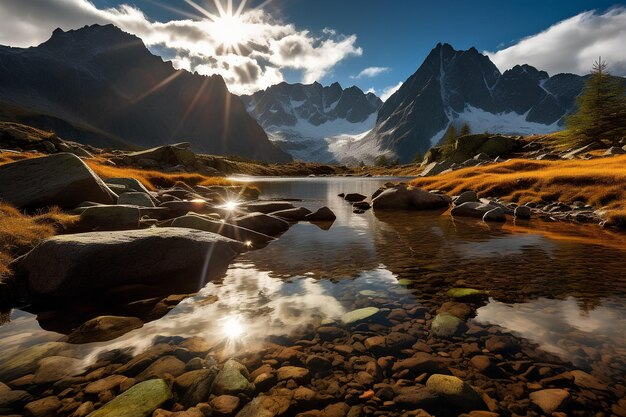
(107,80)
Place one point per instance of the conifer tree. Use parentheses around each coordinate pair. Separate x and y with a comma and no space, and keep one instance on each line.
(465,129)
(601,112)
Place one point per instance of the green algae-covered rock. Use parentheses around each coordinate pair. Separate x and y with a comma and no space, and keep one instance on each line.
(447,325)
(359,315)
(454,391)
(405,282)
(466,293)
(139,401)
(233,379)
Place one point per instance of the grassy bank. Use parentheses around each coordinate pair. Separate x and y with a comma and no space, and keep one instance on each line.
(599,182)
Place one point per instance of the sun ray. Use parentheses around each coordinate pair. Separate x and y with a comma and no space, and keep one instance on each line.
(173,9)
(157,87)
(202,10)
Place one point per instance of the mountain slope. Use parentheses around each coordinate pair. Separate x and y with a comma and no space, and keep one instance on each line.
(103,81)
(456,87)
(312,122)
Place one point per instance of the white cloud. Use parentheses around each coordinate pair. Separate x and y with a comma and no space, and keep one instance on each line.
(195,44)
(388,91)
(572,45)
(370,72)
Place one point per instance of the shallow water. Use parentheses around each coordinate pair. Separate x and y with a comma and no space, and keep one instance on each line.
(561,287)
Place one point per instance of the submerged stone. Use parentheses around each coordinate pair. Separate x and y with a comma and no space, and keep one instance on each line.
(359,315)
(233,379)
(466,293)
(139,401)
(447,325)
(456,392)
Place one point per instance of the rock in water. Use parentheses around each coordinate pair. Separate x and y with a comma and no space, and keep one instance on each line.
(61,180)
(139,401)
(447,325)
(295,214)
(233,379)
(550,400)
(27,360)
(354,197)
(84,263)
(455,392)
(402,197)
(522,212)
(103,328)
(263,223)
(199,222)
(323,214)
(357,316)
(494,215)
(466,197)
(469,209)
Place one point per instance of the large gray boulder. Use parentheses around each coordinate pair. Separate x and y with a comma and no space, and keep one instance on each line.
(198,222)
(85,263)
(136,198)
(268,206)
(101,217)
(61,180)
(402,197)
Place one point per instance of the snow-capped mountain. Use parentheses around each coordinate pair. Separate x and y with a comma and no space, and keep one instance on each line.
(456,87)
(315,123)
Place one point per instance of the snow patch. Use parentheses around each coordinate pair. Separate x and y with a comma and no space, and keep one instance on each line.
(506,123)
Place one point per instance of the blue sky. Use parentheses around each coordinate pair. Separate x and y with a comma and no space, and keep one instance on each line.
(395,35)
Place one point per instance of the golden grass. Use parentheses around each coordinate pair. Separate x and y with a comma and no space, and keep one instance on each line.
(600,182)
(19,232)
(153,179)
(7,157)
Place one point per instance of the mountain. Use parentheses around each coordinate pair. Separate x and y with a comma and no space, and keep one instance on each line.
(312,122)
(101,86)
(456,87)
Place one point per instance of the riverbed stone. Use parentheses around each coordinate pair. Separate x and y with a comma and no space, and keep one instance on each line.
(402,197)
(296,373)
(550,400)
(54,368)
(360,315)
(460,310)
(265,406)
(163,366)
(44,407)
(61,179)
(224,405)
(233,379)
(456,392)
(26,361)
(13,400)
(67,265)
(138,401)
(103,328)
(446,325)
(587,381)
(421,363)
(469,294)
(110,382)
(466,197)
(197,389)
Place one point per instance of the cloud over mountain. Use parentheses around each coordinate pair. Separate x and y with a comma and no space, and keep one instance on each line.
(572,45)
(262,47)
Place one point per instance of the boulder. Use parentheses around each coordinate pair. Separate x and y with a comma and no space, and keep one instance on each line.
(44,407)
(224,405)
(361,205)
(470,209)
(86,263)
(323,214)
(103,328)
(354,197)
(446,325)
(138,401)
(294,214)
(176,154)
(262,223)
(199,222)
(233,379)
(13,400)
(522,212)
(200,388)
(135,198)
(265,406)
(435,168)
(180,208)
(110,218)
(130,184)
(491,145)
(165,365)
(61,180)
(409,198)
(614,150)
(495,215)
(268,206)
(296,373)
(466,197)
(550,400)
(421,363)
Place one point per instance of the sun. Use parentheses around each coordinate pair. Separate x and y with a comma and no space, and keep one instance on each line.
(229,30)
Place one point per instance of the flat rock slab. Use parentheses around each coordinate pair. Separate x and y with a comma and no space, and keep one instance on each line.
(198,222)
(139,401)
(81,264)
(62,180)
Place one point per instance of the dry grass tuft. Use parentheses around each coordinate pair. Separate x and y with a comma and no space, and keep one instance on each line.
(8,157)
(600,182)
(19,232)
(154,179)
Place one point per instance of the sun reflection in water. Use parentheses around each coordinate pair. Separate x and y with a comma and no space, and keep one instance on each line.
(233,328)
(230,205)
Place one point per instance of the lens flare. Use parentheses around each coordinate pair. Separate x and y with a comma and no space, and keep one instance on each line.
(233,328)
(230,205)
